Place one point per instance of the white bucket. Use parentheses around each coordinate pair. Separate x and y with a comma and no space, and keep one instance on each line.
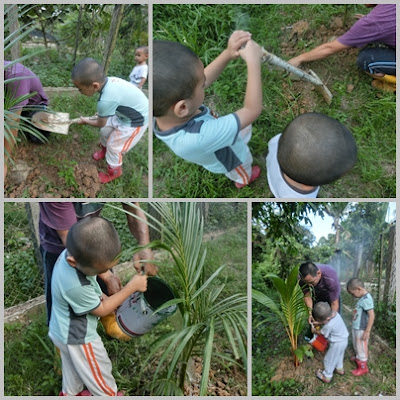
(135,316)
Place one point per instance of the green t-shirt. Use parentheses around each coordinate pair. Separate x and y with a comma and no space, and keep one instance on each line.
(74,296)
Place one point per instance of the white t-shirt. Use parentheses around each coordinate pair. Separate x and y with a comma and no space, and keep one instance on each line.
(276,181)
(335,330)
(138,72)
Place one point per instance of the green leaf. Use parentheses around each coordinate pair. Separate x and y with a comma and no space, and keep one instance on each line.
(207,359)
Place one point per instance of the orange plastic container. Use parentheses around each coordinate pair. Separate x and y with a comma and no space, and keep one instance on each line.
(319,343)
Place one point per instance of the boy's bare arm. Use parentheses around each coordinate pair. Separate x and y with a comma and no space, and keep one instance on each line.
(252,54)
(97,123)
(371,319)
(137,284)
(214,70)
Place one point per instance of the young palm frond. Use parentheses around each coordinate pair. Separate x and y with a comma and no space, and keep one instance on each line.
(291,310)
(205,314)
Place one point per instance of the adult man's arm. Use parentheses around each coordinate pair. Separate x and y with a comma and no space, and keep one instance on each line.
(320,52)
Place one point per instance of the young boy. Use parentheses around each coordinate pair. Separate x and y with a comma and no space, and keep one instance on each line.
(122,114)
(335,331)
(313,150)
(363,319)
(138,76)
(93,247)
(187,127)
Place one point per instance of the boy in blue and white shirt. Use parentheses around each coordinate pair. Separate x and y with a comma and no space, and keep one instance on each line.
(93,247)
(122,114)
(363,319)
(187,127)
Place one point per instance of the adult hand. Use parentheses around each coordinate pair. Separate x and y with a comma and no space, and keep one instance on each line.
(149,268)
(112,282)
(295,61)
(237,40)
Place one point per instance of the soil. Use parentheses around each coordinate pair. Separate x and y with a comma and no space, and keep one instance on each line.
(231,382)
(305,94)
(43,179)
(346,385)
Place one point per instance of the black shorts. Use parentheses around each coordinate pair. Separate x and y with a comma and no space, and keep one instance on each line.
(376,60)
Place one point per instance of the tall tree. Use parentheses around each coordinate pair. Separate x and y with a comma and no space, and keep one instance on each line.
(112,36)
(12,12)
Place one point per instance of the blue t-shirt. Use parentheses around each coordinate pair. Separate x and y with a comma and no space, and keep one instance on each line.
(74,296)
(360,313)
(206,140)
(126,101)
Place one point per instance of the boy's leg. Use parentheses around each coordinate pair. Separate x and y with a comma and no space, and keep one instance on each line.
(120,141)
(330,361)
(360,346)
(244,173)
(72,384)
(94,367)
(340,349)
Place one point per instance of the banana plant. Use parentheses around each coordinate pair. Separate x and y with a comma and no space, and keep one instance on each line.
(291,310)
(206,314)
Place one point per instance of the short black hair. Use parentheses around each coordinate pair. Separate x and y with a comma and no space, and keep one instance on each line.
(145,48)
(93,242)
(321,311)
(174,74)
(354,283)
(308,268)
(88,71)
(315,149)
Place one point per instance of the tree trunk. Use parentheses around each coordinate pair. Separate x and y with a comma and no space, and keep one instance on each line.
(112,36)
(32,211)
(359,259)
(390,275)
(12,11)
(78,28)
(43,29)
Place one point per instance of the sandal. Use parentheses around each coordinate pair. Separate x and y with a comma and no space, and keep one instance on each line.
(339,371)
(320,375)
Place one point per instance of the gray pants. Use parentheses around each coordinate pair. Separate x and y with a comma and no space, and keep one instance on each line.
(334,357)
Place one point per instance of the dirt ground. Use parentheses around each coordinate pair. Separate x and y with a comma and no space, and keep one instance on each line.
(347,385)
(305,93)
(232,382)
(39,178)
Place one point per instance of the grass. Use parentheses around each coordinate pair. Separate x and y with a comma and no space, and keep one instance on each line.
(369,114)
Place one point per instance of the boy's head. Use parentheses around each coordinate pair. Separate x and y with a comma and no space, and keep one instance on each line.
(178,79)
(322,312)
(141,54)
(310,273)
(93,246)
(88,76)
(315,149)
(355,287)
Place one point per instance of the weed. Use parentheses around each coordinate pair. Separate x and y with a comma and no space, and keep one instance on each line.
(66,171)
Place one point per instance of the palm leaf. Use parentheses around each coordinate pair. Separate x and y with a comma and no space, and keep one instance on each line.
(207,359)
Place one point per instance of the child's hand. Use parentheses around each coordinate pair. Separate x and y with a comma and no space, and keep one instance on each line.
(251,52)
(237,40)
(365,335)
(138,283)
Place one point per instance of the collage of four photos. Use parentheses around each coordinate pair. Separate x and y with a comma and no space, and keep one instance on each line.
(199,200)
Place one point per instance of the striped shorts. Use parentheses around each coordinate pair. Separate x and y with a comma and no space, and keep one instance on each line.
(86,365)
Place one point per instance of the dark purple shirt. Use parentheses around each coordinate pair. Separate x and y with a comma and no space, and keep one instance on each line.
(31,83)
(55,217)
(328,288)
(378,26)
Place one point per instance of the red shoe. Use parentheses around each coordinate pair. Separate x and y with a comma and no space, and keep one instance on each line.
(99,155)
(112,173)
(84,393)
(362,368)
(255,173)
(120,393)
